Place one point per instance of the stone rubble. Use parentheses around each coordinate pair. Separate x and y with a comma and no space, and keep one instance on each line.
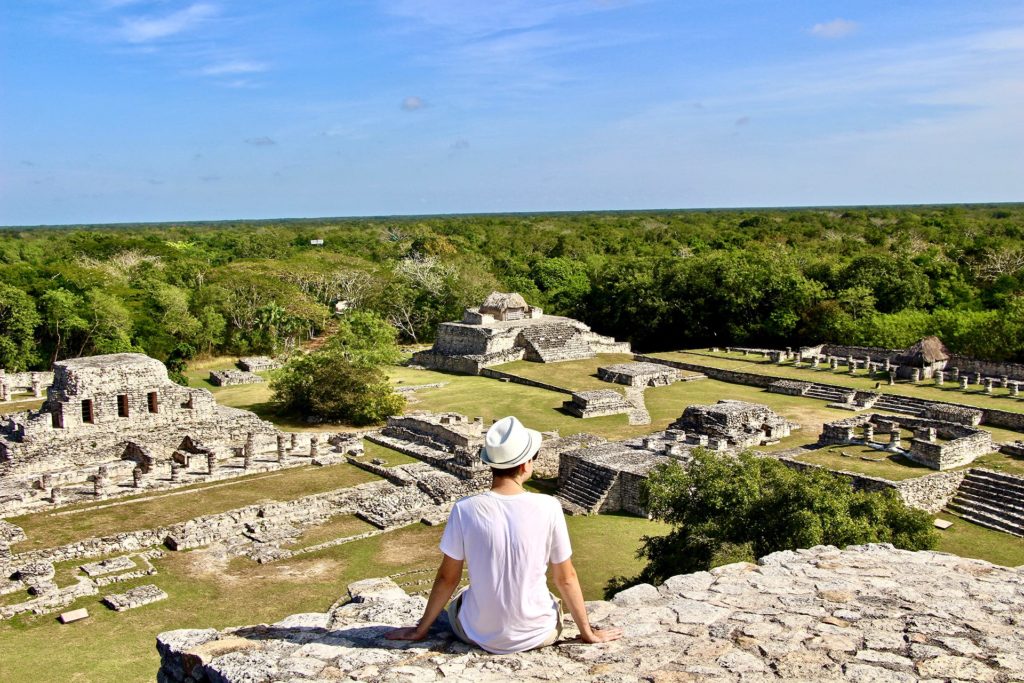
(867,613)
(134,597)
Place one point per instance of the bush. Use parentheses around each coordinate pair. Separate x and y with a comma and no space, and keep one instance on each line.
(327,385)
(724,509)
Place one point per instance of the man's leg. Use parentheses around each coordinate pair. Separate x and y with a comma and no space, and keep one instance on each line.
(453,616)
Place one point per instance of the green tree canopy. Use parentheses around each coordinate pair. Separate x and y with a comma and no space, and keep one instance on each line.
(18,320)
(327,385)
(723,509)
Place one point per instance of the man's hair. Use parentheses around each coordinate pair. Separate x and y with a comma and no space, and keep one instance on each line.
(510,472)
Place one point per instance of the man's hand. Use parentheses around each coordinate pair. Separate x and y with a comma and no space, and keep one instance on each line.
(407,633)
(602,635)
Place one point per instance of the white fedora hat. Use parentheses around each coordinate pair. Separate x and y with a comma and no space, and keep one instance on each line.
(508,444)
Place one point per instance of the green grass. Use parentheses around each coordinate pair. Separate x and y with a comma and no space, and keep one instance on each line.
(891,466)
(970,540)
(392,457)
(925,390)
(575,375)
(48,530)
(119,647)
(340,526)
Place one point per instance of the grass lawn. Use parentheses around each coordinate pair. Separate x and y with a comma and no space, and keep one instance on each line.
(892,466)
(207,591)
(575,375)
(970,540)
(20,405)
(925,390)
(50,529)
(392,457)
(340,526)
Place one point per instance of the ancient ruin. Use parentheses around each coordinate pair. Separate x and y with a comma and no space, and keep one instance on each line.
(866,613)
(230,378)
(114,424)
(505,328)
(936,444)
(740,424)
(597,403)
(639,374)
(448,441)
(258,363)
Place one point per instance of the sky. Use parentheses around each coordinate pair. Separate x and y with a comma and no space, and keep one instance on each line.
(179,110)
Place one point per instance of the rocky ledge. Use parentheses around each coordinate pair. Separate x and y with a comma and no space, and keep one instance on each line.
(867,613)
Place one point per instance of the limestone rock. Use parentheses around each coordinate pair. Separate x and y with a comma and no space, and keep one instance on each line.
(903,617)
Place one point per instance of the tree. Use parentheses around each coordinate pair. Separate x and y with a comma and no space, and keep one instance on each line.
(723,509)
(327,385)
(61,309)
(18,321)
(366,340)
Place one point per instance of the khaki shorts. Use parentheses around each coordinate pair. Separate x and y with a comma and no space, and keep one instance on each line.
(456,605)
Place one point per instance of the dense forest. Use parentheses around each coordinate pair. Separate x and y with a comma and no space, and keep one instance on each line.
(875,276)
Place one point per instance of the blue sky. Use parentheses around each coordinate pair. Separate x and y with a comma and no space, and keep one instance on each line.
(162,110)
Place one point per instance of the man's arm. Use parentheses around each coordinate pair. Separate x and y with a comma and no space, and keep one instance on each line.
(568,585)
(448,576)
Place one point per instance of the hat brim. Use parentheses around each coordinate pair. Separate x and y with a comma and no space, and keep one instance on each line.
(531,449)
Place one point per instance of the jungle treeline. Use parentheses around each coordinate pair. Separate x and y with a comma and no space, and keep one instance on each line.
(880,276)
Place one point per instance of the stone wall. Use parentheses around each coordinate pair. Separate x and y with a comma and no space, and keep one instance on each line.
(878,355)
(987,368)
(516,379)
(863,614)
(929,493)
(731,376)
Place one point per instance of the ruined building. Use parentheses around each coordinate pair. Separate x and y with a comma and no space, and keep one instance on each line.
(118,420)
(505,328)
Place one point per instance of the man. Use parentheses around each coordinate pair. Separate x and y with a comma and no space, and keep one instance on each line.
(508,537)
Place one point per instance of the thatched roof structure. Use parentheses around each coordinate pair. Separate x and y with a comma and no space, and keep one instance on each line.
(925,352)
(500,301)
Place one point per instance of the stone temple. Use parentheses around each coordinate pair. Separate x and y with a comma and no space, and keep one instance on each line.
(505,328)
(118,418)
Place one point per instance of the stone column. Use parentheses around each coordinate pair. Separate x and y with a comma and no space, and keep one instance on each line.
(55,495)
(892,378)
(280,447)
(894,438)
(211,462)
(939,377)
(853,367)
(99,482)
(314,445)
(869,432)
(963,382)
(1014,388)
(977,378)
(988,385)
(1004,382)
(137,477)
(849,361)
(37,385)
(833,363)
(246,458)
(954,374)
(814,362)
(5,392)
(888,365)
(915,375)
(295,441)
(175,471)
(250,446)
(867,362)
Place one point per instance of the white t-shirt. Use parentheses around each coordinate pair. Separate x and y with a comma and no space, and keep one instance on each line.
(507,543)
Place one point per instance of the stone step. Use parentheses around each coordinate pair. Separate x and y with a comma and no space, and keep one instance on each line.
(982,519)
(989,507)
(571,508)
(993,493)
(1010,480)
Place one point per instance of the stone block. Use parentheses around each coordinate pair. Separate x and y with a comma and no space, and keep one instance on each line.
(74,615)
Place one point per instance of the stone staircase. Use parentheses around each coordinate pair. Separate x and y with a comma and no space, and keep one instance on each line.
(638,413)
(991,499)
(823,392)
(553,343)
(901,404)
(586,489)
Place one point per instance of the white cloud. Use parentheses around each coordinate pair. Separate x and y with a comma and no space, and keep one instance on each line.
(232,68)
(413,103)
(146,29)
(837,28)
